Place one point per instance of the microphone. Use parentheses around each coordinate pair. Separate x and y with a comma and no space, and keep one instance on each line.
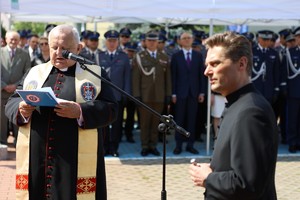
(80,59)
(168,120)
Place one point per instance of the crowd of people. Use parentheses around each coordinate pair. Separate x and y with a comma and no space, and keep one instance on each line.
(166,75)
(274,73)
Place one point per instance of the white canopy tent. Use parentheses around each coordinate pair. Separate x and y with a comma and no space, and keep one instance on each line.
(218,12)
(133,11)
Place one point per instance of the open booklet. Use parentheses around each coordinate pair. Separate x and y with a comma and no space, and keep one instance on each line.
(39,97)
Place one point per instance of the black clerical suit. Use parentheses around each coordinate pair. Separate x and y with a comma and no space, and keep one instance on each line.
(245,152)
(48,130)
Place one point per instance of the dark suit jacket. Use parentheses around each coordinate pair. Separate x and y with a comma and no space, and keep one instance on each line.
(187,80)
(245,153)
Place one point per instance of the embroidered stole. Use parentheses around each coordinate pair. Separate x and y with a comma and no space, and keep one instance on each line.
(87,157)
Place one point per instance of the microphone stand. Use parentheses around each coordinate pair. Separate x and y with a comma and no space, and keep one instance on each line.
(164,127)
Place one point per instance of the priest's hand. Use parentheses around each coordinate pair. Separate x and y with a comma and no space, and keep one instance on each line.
(68,109)
(199,172)
(25,109)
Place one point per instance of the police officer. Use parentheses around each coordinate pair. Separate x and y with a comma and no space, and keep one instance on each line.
(130,49)
(292,66)
(92,51)
(280,105)
(151,83)
(23,39)
(290,41)
(83,40)
(282,46)
(116,64)
(266,63)
(250,36)
(48,28)
(161,42)
(125,34)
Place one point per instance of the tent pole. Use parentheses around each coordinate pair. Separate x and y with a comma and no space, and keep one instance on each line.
(208,101)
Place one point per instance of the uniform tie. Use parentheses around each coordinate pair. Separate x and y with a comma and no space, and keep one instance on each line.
(111,56)
(264,50)
(153,55)
(93,56)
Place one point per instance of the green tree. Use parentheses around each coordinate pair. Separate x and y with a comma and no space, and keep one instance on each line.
(37,28)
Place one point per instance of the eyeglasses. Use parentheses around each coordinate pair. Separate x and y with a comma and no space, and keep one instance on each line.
(42,44)
(125,36)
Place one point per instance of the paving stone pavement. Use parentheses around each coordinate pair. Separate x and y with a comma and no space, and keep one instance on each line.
(132,177)
(141,179)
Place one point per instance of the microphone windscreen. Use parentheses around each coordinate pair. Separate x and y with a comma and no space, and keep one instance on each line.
(65,53)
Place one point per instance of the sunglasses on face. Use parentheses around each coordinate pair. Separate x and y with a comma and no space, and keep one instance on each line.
(42,44)
(125,36)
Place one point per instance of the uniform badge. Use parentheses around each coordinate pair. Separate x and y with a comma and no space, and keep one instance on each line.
(31,85)
(88,91)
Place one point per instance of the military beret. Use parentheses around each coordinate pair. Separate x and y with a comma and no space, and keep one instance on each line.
(49,27)
(125,31)
(152,35)
(297,31)
(111,34)
(265,34)
(131,46)
(93,36)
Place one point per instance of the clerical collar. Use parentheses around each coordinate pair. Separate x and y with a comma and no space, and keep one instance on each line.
(66,69)
(233,97)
